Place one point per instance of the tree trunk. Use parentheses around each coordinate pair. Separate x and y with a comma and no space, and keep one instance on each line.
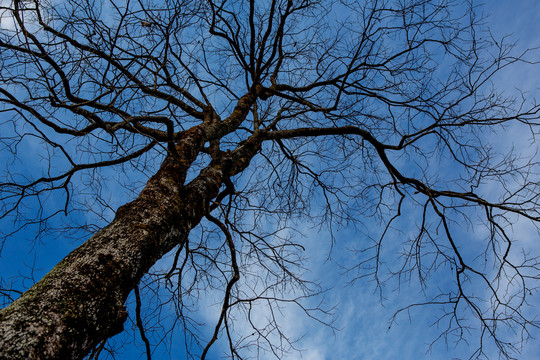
(80,302)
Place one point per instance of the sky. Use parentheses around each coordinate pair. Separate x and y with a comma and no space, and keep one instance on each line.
(363,319)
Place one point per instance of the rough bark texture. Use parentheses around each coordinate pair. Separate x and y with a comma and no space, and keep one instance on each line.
(81,301)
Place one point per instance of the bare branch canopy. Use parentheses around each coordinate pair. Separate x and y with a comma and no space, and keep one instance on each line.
(181,143)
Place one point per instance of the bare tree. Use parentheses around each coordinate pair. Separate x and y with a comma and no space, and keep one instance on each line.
(243,118)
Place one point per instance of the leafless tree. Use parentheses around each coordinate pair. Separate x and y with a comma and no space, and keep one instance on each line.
(231,121)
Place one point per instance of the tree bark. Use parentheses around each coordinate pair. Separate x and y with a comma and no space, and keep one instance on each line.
(80,302)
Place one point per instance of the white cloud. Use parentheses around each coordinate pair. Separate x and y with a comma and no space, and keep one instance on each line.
(7,22)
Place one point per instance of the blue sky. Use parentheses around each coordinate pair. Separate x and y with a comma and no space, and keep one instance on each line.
(363,319)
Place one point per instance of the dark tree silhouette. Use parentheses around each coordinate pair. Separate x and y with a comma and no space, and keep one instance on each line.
(244,118)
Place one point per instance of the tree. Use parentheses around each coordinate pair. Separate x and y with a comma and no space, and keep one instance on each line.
(245,118)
